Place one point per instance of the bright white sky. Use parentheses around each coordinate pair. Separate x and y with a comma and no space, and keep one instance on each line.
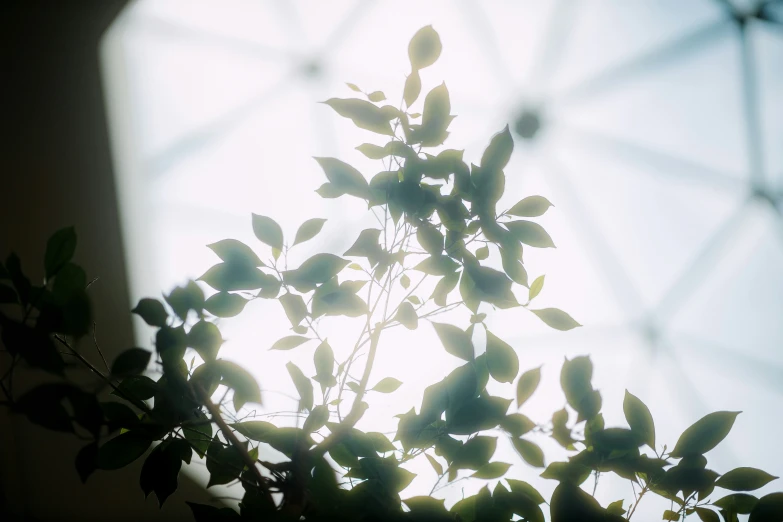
(644,152)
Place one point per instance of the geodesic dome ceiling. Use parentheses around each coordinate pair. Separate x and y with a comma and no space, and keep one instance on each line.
(654,126)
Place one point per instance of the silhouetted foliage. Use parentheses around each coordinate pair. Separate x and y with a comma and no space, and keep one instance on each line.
(438,221)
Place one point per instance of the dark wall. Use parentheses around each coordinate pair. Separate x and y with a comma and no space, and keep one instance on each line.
(56,170)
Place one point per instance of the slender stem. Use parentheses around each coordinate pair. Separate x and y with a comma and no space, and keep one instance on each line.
(232,438)
(95,340)
(136,402)
(356,410)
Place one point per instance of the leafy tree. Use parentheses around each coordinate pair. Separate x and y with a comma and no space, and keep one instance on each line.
(438,222)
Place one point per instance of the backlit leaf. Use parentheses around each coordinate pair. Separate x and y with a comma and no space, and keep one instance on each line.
(705,434)
(556,318)
(639,419)
(289,342)
(527,384)
(502,360)
(206,339)
(406,316)
(237,378)
(232,250)
(224,304)
(152,311)
(492,470)
(268,231)
(455,340)
(294,307)
(532,206)
(435,464)
(530,233)
(535,288)
(376,96)
(424,48)
(529,451)
(364,114)
(745,479)
(387,385)
(303,386)
(308,230)
(412,88)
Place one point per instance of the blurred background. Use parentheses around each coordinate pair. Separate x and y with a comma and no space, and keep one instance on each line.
(654,126)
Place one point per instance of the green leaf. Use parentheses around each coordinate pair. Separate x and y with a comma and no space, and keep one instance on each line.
(294,307)
(738,503)
(308,230)
(122,450)
(430,239)
(616,508)
(138,387)
(707,515)
(379,442)
(476,452)
(189,297)
(224,304)
(199,435)
(455,340)
(59,250)
(315,271)
(671,515)
(530,233)
(152,311)
(639,419)
(705,434)
(376,96)
(317,419)
(303,386)
(482,253)
(424,48)
(492,470)
(532,206)
(412,88)
(364,114)
(406,316)
(517,424)
(527,384)
(556,318)
(323,358)
(235,251)
(436,118)
(229,276)
(498,152)
(529,451)
(745,479)
(160,470)
(405,281)
(353,87)
(131,362)
(535,288)
(444,287)
(387,385)
(206,339)
(289,342)
(268,231)
(768,508)
(481,283)
(237,378)
(435,464)
(502,360)
(437,265)
(570,503)
(575,379)
(255,430)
